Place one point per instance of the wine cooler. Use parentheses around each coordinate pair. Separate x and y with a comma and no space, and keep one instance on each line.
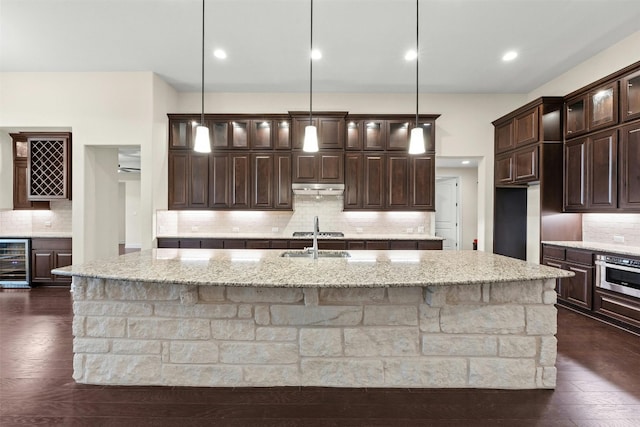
(14,263)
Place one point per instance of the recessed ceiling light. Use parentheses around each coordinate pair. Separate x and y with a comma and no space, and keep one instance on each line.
(510,56)
(316,54)
(410,55)
(220,54)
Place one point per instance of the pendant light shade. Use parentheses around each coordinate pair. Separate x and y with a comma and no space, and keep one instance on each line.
(310,139)
(310,144)
(202,143)
(416,143)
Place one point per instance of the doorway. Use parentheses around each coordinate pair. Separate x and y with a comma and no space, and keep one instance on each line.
(448,212)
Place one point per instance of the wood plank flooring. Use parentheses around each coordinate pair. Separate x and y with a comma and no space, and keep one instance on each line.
(598,385)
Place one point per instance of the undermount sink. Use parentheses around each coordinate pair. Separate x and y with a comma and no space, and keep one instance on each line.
(321,254)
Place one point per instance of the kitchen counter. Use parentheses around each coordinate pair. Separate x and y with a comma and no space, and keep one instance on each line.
(250,318)
(266,268)
(599,247)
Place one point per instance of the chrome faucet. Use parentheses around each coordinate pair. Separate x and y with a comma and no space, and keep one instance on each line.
(316,230)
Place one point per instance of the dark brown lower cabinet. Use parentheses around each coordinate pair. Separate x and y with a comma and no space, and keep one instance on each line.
(617,306)
(47,254)
(576,290)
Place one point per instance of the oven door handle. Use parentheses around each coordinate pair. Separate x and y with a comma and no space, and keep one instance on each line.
(620,267)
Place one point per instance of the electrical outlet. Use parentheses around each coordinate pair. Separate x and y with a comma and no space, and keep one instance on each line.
(275,229)
(47,223)
(421,229)
(194,228)
(236,229)
(359,230)
(618,238)
(409,230)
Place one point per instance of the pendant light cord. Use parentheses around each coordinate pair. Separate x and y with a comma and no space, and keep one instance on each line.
(202,82)
(417,56)
(311,70)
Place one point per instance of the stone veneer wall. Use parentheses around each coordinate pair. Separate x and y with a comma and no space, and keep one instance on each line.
(465,336)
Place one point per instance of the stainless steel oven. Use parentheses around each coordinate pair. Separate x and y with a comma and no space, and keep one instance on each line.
(618,274)
(14,263)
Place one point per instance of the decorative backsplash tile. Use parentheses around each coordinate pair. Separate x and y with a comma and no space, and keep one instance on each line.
(57,219)
(283,224)
(617,228)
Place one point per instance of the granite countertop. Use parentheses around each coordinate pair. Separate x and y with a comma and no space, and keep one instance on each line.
(347,236)
(600,247)
(37,234)
(266,268)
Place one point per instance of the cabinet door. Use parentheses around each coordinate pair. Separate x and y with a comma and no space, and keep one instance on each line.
(62,259)
(299,124)
(240,180)
(182,133)
(42,262)
(240,133)
(503,135)
(526,165)
(262,177)
(630,90)
(579,288)
(219,134)
(282,184)
(398,135)
(178,180)
(575,190)
(353,181)
(305,167)
(374,177)
(397,182)
(629,175)
(331,167)
(219,180)
(282,135)
(261,134)
(526,128)
(199,181)
(429,133)
(374,134)
(603,172)
(575,116)
(422,186)
(504,169)
(603,106)
(354,135)
(331,132)
(20,200)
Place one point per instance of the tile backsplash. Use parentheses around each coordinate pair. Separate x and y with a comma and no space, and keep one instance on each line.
(611,228)
(283,224)
(55,220)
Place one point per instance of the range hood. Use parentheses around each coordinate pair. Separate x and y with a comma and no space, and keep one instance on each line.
(317,189)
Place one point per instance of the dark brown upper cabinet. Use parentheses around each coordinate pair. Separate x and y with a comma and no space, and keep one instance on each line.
(591,175)
(387,132)
(182,133)
(374,134)
(321,167)
(526,128)
(398,134)
(504,137)
(188,180)
(271,181)
(629,176)
(603,106)
(20,175)
(630,94)
(591,110)
(330,127)
(354,135)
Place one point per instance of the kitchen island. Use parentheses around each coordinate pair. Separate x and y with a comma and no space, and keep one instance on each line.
(232,318)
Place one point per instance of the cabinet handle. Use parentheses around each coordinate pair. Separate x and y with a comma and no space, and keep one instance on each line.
(634,130)
(629,84)
(569,131)
(569,109)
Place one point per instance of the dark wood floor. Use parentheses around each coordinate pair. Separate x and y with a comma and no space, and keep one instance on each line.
(598,385)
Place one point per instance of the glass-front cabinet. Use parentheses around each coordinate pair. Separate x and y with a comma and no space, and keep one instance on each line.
(630,89)
(603,106)
(575,116)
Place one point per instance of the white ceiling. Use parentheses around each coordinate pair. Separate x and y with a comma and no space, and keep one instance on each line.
(363,41)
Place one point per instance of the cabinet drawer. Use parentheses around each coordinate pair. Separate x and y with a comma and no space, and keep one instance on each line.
(279,244)
(258,244)
(553,252)
(580,257)
(211,244)
(403,244)
(332,244)
(377,244)
(51,243)
(234,244)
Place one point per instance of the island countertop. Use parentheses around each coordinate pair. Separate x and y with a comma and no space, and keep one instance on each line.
(266,268)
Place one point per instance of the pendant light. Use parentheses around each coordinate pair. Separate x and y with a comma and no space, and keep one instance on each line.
(202,143)
(416,142)
(310,144)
